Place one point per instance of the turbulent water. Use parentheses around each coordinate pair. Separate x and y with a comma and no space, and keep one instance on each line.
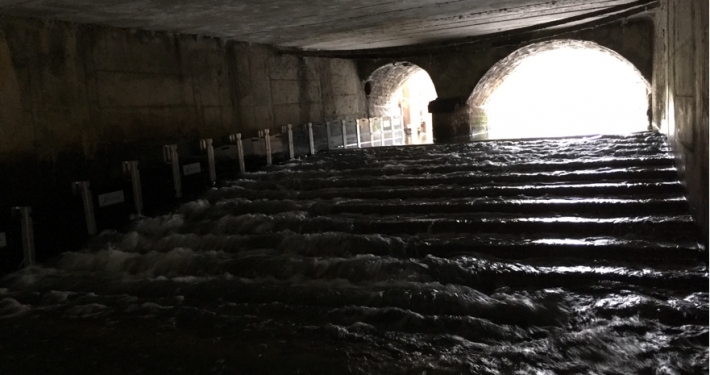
(565,256)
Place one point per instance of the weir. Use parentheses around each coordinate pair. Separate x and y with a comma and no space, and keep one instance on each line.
(307,188)
(508,247)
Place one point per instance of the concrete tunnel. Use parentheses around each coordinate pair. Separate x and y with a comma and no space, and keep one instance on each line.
(133,147)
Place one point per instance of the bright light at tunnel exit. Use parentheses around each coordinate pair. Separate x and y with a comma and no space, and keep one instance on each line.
(565,92)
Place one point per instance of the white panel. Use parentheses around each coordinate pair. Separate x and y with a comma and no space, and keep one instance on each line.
(189,169)
(111,198)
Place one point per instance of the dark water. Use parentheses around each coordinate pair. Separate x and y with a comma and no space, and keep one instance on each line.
(573,256)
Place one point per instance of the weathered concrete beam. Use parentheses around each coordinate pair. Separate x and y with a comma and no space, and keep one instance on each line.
(469,44)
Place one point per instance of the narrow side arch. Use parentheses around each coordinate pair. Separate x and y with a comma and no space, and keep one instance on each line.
(402,89)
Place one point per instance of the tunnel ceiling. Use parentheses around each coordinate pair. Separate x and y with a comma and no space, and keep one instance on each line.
(314,24)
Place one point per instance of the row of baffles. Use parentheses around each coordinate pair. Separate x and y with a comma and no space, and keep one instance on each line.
(54,226)
(190,172)
(254,152)
(112,195)
(382,131)
(268,148)
(310,138)
(103,202)
(299,141)
(365,132)
(110,203)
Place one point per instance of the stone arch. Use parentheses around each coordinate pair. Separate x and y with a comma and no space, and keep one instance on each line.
(381,85)
(498,73)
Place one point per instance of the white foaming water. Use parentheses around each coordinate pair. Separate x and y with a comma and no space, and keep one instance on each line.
(11,308)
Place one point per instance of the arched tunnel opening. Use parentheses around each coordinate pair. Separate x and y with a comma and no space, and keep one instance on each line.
(403,90)
(559,88)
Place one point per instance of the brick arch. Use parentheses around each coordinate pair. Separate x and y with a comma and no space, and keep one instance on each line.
(384,82)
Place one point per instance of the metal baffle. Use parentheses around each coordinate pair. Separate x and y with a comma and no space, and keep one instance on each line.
(131,169)
(170,155)
(267,146)
(328,134)
(206,144)
(310,139)
(82,187)
(345,136)
(237,138)
(291,151)
(28,237)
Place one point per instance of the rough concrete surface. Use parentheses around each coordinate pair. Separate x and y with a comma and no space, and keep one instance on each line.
(681,93)
(319,24)
(72,94)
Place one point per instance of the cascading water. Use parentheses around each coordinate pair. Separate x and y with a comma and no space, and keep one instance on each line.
(560,256)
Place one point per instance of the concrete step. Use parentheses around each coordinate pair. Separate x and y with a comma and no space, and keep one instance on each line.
(542,248)
(571,206)
(588,190)
(319,181)
(596,207)
(671,227)
(417,167)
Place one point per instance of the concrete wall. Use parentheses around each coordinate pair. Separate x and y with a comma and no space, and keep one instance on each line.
(274,90)
(680,88)
(456,74)
(73,96)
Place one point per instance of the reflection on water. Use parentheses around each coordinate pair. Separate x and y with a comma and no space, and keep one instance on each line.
(442,259)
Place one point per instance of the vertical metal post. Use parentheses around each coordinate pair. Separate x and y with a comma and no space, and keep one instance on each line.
(28,237)
(267,144)
(291,151)
(240,153)
(206,144)
(131,169)
(372,137)
(357,134)
(170,155)
(310,139)
(328,134)
(345,136)
(82,187)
